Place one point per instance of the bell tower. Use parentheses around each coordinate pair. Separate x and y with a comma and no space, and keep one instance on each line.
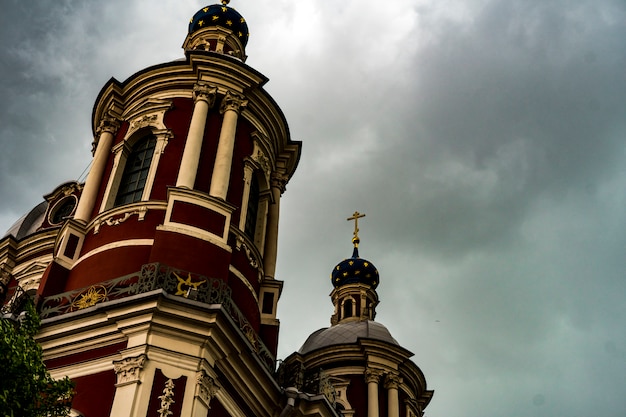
(356,362)
(155,279)
(190,161)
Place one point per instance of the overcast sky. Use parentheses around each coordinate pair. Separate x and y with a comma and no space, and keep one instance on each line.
(484,140)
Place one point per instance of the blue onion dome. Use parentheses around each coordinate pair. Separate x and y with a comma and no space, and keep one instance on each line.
(223,16)
(355,270)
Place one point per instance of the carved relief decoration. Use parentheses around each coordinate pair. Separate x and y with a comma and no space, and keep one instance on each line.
(372,375)
(263,161)
(392,381)
(114,221)
(207,388)
(109,123)
(128,370)
(279,181)
(145,120)
(167,399)
(252,259)
(233,101)
(205,92)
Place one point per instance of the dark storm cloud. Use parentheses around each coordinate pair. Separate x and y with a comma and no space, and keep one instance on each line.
(483,139)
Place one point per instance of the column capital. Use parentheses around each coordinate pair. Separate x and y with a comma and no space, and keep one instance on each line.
(108,124)
(392,381)
(233,101)
(279,181)
(372,375)
(129,369)
(207,387)
(204,92)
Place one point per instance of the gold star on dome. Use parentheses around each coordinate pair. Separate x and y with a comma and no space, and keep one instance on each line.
(366,264)
(187,282)
(351,263)
(242,20)
(345,274)
(357,272)
(229,22)
(215,17)
(201,23)
(240,34)
(206,9)
(224,9)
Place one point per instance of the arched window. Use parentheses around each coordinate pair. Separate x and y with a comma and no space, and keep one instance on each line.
(347,308)
(136,171)
(253,208)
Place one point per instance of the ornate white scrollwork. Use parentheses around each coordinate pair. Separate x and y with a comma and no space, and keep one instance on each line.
(114,221)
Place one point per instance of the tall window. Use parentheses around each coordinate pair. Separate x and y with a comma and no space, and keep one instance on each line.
(253,208)
(347,308)
(136,171)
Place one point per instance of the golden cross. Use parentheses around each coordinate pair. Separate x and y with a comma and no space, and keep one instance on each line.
(356,216)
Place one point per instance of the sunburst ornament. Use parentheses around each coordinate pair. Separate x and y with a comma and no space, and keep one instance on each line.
(184,285)
(94,295)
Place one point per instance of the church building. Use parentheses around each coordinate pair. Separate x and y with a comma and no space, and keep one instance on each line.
(156,278)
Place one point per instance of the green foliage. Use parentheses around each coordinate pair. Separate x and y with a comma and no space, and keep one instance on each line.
(26,387)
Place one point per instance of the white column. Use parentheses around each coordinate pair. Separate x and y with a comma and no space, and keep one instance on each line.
(204,98)
(372,377)
(231,106)
(392,382)
(277,185)
(105,134)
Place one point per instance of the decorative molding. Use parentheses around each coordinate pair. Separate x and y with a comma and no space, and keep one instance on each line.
(113,221)
(167,399)
(206,387)
(128,370)
(157,276)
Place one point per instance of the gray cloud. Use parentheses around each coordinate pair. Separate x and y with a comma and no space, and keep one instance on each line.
(483,139)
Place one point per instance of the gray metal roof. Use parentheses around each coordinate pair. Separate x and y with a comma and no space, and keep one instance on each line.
(346,333)
(29,223)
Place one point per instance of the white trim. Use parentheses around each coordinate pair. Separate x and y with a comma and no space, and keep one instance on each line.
(90,367)
(114,245)
(243,279)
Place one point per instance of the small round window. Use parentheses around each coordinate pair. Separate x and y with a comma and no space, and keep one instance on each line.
(62,210)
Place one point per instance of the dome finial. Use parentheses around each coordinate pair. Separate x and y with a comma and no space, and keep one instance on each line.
(225,2)
(355,240)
